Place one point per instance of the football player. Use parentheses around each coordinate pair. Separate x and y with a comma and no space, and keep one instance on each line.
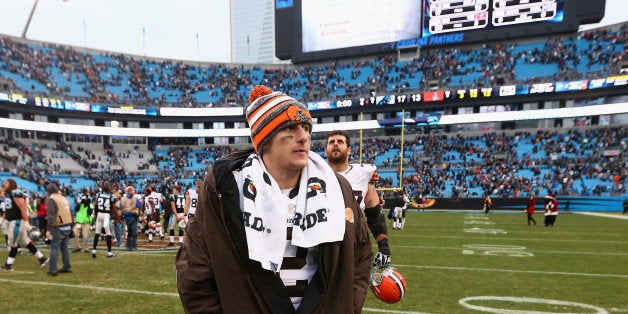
(106,205)
(177,203)
(362,178)
(191,200)
(16,225)
(401,204)
(152,204)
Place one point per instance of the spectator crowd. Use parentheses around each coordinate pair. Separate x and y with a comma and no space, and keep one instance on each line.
(127,80)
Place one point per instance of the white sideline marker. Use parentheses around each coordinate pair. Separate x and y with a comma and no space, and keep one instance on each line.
(168,294)
(518,271)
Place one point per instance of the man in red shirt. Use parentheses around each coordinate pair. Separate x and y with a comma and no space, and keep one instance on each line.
(530,209)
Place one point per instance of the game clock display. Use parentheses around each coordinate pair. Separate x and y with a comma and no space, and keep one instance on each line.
(444,16)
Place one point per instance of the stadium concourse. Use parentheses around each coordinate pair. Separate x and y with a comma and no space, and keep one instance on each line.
(63,72)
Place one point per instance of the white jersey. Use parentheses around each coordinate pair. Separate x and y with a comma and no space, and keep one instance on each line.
(359,176)
(193,201)
(148,209)
(157,198)
(153,199)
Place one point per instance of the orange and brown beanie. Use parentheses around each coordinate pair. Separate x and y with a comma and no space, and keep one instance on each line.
(271,112)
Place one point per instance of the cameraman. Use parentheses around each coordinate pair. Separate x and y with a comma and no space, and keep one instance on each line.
(131,205)
(83,219)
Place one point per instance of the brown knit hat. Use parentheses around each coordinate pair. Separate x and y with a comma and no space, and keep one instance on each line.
(271,112)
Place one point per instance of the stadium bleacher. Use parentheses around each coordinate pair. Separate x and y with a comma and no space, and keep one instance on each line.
(120,79)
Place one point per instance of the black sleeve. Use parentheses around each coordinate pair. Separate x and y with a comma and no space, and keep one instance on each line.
(377,224)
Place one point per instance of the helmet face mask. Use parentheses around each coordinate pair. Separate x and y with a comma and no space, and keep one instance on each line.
(388,285)
(35,234)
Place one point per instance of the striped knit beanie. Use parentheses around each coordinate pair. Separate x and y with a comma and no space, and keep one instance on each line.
(271,112)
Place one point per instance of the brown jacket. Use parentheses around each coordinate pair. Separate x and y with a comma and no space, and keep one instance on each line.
(214,273)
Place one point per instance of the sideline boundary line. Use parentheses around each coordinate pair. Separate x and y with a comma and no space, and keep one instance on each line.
(368,309)
(168,294)
(65,285)
(540,272)
(602,215)
(509,239)
(531,251)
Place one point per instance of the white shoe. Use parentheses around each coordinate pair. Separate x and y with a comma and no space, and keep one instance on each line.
(110,254)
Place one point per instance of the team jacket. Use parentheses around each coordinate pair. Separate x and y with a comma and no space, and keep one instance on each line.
(214,273)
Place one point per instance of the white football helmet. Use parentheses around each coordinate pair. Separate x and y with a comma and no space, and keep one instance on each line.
(182,223)
(35,234)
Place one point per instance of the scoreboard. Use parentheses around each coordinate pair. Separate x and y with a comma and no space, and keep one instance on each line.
(445,16)
(455,15)
(313,30)
(507,12)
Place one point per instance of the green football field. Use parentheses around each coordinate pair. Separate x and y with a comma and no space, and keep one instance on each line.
(454,262)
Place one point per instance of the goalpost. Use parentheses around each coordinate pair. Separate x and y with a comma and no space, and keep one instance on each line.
(401,153)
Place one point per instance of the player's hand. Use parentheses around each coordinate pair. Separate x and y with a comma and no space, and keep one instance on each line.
(381,260)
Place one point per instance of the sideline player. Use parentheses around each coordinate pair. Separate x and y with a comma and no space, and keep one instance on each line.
(191,200)
(177,204)
(16,225)
(106,204)
(152,206)
(401,205)
(361,177)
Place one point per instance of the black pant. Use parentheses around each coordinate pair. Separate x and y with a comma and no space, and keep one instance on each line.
(530,218)
(550,220)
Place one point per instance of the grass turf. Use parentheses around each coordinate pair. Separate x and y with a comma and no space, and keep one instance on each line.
(498,261)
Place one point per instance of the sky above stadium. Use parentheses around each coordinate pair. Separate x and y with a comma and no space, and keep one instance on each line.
(184,29)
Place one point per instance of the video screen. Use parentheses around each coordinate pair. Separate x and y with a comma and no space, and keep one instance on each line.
(336,24)
(445,16)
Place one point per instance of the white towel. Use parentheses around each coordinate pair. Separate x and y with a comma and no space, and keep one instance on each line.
(319,215)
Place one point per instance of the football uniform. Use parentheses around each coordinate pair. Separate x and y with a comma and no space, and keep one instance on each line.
(179,204)
(400,211)
(193,202)
(15,230)
(359,176)
(104,204)
(153,207)
(157,199)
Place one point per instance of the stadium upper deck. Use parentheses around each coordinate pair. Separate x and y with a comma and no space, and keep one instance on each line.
(60,71)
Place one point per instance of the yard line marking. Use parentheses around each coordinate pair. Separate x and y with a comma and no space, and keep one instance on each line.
(533,251)
(19,272)
(168,294)
(465,302)
(517,271)
(154,293)
(602,215)
(508,228)
(510,239)
(368,309)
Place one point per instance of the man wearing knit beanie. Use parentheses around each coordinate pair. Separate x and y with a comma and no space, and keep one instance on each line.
(271,112)
(273,222)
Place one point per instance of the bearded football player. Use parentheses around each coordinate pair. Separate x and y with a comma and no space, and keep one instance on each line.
(362,178)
